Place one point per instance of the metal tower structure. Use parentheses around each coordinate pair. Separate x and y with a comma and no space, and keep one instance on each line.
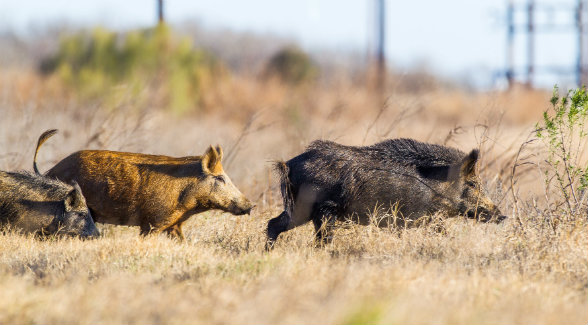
(531,29)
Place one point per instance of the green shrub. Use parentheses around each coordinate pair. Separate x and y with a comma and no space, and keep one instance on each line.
(292,66)
(565,133)
(170,68)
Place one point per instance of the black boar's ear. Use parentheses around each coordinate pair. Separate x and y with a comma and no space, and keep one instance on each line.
(74,199)
(210,159)
(468,164)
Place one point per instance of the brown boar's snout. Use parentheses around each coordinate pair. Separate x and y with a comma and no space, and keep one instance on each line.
(243,207)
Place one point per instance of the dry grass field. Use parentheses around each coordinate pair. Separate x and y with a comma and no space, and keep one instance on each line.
(455,271)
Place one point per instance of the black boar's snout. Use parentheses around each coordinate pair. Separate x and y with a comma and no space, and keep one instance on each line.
(95,233)
(485,216)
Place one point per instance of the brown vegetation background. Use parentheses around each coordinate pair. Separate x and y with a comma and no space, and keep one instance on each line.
(449,272)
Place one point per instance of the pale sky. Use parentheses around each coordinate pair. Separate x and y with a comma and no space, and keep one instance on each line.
(455,38)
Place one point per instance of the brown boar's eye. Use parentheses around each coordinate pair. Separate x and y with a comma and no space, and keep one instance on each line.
(470,184)
(220,179)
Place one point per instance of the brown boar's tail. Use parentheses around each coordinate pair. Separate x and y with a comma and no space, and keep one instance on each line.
(46,135)
(285,186)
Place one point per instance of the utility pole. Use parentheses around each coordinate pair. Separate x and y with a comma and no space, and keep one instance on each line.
(381,44)
(160,11)
(510,33)
(581,78)
(530,43)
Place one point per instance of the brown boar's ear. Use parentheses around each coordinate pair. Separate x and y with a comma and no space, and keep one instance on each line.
(219,150)
(468,164)
(210,160)
(74,199)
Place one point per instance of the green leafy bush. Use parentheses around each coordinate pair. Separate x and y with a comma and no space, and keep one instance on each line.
(565,133)
(291,66)
(171,69)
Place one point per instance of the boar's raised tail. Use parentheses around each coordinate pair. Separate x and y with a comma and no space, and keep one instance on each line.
(285,186)
(46,135)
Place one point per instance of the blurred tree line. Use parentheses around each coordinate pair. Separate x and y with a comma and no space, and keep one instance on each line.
(168,66)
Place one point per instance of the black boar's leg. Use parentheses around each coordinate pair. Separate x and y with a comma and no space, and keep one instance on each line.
(275,227)
(323,218)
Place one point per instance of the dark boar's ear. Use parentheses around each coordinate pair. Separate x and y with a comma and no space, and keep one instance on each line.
(210,160)
(468,164)
(74,199)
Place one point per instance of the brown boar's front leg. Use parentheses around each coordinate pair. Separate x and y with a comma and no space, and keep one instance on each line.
(175,231)
(172,225)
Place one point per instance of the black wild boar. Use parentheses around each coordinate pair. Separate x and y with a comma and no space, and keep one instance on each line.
(40,205)
(330,181)
(156,193)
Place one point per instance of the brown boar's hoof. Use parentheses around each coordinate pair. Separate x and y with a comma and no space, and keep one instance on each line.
(175,232)
(146,230)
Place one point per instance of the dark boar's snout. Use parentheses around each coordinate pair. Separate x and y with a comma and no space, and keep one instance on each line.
(78,219)
(485,215)
(475,203)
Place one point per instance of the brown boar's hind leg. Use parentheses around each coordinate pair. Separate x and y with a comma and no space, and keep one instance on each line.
(175,231)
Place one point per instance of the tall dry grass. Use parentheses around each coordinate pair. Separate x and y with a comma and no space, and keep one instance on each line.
(450,271)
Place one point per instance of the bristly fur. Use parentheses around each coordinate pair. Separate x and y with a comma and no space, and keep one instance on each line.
(37,183)
(330,181)
(404,151)
(39,204)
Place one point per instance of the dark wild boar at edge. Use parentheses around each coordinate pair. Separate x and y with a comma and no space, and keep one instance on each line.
(39,205)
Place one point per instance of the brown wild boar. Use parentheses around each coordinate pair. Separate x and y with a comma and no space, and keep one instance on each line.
(156,193)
